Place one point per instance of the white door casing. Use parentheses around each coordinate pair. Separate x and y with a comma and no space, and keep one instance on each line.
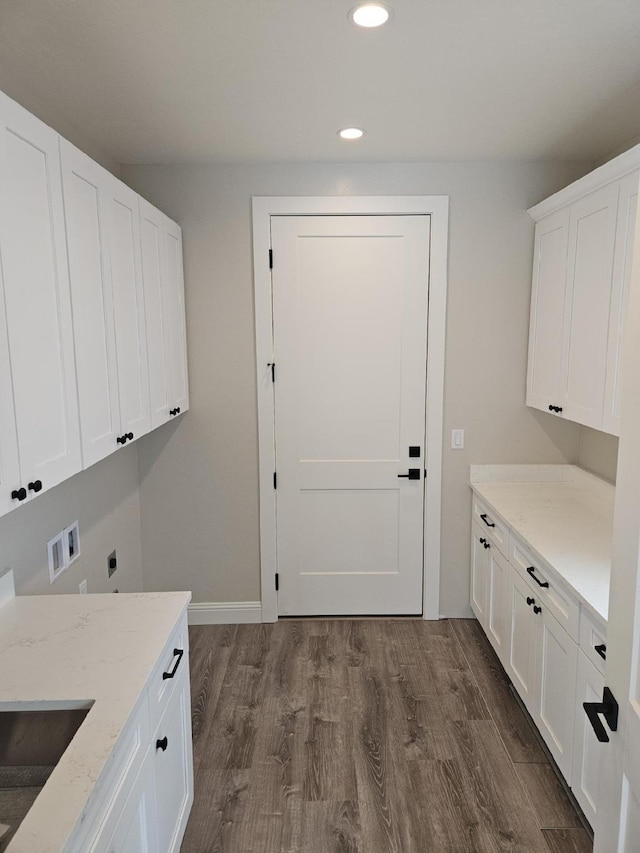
(263,209)
(350,300)
(618,820)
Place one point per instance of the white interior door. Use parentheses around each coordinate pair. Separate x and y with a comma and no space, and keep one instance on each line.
(350,297)
(618,820)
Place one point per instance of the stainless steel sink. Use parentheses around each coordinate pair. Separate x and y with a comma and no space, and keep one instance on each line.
(31,744)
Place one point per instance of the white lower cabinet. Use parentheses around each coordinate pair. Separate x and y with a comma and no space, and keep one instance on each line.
(552,649)
(557,658)
(147,794)
(136,830)
(587,750)
(173,769)
(522,640)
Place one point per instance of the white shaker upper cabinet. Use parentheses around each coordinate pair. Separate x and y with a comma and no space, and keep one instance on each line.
(9,459)
(592,234)
(128,304)
(91,297)
(176,315)
(156,309)
(37,301)
(164,307)
(627,206)
(544,386)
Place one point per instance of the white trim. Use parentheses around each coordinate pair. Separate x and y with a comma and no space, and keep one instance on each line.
(438,208)
(224,612)
(615,169)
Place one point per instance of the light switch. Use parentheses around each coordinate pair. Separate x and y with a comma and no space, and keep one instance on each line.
(457,439)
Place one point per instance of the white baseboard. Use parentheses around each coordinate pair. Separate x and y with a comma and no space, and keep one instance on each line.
(224,612)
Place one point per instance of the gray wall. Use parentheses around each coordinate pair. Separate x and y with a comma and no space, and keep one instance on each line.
(598,453)
(105,501)
(199,477)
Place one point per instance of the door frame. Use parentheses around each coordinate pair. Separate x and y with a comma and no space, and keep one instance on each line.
(437,207)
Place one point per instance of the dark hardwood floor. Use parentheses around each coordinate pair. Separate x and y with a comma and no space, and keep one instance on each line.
(366,736)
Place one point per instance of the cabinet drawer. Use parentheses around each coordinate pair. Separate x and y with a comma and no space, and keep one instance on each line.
(173,660)
(493,528)
(593,640)
(547,590)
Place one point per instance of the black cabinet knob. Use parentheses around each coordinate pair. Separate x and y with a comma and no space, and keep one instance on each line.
(129,435)
(537,609)
(530,600)
(121,439)
(557,409)
(175,411)
(19,494)
(162,743)
(36,486)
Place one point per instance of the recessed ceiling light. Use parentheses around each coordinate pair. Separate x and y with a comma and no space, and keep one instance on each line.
(351,133)
(370,15)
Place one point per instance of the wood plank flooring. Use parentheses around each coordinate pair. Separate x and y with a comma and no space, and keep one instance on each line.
(366,736)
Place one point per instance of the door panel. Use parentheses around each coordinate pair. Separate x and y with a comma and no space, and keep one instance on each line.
(524,639)
(350,319)
(91,298)
(587,751)
(547,312)
(37,300)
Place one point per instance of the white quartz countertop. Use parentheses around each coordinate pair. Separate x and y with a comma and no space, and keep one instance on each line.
(69,651)
(564,515)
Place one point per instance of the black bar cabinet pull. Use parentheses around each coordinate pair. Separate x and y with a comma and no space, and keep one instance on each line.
(609,710)
(177,653)
(414,474)
(531,570)
(162,743)
(601,650)
(484,518)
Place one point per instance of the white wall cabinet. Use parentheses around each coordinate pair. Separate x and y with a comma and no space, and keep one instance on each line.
(84,183)
(37,303)
(123,222)
(78,324)
(164,309)
(580,278)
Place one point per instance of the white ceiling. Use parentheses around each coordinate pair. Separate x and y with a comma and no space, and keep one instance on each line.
(273,80)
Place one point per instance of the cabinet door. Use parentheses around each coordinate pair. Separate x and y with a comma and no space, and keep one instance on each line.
(37,301)
(588,752)
(496,623)
(174,768)
(92,303)
(9,460)
(480,548)
(176,317)
(136,830)
(154,276)
(627,207)
(128,304)
(556,675)
(546,329)
(592,233)
(523,638)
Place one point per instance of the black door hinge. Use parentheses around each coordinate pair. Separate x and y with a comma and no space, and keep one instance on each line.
(275,480)
(270,259)
(277,582)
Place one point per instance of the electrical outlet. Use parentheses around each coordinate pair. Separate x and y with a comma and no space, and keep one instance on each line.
(82,588)
(112,563)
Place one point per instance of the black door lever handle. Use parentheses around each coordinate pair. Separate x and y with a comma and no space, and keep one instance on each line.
(609,710)
(414,474)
